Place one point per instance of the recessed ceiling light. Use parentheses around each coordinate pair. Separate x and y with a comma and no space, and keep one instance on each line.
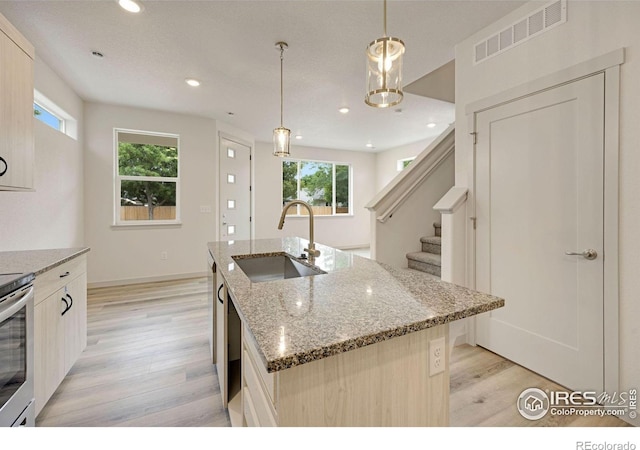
(298,136)
(369,145)
(192,82)
(431,125)
(130,5)
(344,110)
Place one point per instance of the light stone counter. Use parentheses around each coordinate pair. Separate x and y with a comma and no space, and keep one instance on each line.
(357,303)
(37,261)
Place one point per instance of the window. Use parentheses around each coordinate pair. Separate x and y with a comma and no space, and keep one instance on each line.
(147,183)
(404,163)
(43,115)
(53,116)
(325,186)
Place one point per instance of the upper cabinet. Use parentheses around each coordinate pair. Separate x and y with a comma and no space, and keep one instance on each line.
(16,109)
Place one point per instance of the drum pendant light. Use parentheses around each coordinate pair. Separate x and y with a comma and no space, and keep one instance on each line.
(281,135)
(384,70)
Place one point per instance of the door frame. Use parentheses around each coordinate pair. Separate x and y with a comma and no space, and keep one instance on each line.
(229,137)
(609,64)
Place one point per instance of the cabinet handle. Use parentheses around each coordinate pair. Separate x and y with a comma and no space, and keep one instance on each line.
(219,289)
(66,274)
(6,166)
(67,305)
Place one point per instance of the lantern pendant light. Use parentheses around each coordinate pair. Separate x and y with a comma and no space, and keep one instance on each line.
(384,70)
(281,135)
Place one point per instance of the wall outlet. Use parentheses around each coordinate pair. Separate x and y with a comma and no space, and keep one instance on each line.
(437,355)
(163,255)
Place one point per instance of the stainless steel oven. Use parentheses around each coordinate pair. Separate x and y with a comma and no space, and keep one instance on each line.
(16,350)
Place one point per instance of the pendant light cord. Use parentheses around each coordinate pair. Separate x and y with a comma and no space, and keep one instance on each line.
(281,87)
(385,18)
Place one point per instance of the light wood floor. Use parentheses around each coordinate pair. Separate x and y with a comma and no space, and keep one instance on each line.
(484,388)
(147,364)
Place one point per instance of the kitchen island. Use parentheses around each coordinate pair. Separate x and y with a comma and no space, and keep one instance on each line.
(348,347)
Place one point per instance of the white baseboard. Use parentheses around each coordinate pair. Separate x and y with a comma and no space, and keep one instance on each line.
(128,281)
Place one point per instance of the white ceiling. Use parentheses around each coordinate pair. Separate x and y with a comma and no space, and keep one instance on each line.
(229,46)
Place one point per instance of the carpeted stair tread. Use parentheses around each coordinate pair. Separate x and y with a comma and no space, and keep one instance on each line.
(436,240)
(429,258)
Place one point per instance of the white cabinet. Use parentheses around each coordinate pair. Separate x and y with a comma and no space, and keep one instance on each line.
(16,109)
(258,388)
(60,331)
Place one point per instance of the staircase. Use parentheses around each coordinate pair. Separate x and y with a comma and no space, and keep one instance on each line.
(429,259)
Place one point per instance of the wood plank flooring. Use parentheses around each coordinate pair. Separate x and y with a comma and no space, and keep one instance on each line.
(484,388)
(147,364)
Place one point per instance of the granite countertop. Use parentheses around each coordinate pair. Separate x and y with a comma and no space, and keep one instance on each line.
(37,261)
(356,303)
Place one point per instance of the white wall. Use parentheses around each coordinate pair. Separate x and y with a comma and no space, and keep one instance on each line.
(50,217)
(124,254)
(340,232)
(592,29)
(387,161)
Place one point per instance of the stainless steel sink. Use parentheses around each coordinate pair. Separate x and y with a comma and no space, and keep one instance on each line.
(279,266)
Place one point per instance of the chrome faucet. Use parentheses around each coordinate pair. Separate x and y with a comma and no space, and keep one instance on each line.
(312,247)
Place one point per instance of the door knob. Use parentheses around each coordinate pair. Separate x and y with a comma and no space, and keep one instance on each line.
(587,254)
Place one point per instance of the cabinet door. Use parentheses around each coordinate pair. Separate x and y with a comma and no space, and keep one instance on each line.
(48,333)
(75,320)
(222,308)
(16,116)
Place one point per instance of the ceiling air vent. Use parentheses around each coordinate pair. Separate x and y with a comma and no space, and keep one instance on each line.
(525,28)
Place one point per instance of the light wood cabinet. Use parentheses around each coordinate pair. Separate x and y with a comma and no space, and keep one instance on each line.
(16,109)
(384,384)
(60,331)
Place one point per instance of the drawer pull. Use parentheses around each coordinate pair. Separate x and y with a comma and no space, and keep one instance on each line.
(66,274)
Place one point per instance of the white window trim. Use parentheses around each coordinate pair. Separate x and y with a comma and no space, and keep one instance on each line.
(68,125)
(333,200)
(117,179)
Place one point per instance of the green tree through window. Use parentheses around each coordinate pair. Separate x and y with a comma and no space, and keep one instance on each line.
(148,178)
(324,185)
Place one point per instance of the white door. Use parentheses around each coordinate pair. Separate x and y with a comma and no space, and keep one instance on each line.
(539,194)
(235,191)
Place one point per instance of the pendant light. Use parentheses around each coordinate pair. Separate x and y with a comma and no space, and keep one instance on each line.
(384,70)
(281,135)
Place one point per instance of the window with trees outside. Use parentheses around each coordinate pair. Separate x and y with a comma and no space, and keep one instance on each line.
(326,186)
(147,183)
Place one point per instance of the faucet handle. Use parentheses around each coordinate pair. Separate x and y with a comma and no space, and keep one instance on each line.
(312,250)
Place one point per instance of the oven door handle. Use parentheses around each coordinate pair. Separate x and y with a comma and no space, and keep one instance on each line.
(8,310)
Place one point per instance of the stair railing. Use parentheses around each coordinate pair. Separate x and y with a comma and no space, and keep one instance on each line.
(387,201)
